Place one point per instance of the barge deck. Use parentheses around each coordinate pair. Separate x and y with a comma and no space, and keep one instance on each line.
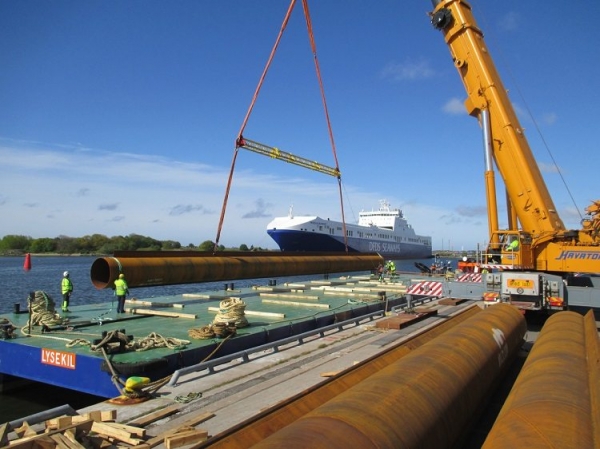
(161,334)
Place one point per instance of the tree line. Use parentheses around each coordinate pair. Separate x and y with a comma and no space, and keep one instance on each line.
(101,244)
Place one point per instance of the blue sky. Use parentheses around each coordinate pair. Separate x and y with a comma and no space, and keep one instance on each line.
(120,117)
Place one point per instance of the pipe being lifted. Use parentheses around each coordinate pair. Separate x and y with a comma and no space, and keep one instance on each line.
(554,401)
(424,400)
(143,269)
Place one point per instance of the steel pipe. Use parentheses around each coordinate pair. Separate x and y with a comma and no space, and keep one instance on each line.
(554,401)
(153,269)
(424,400)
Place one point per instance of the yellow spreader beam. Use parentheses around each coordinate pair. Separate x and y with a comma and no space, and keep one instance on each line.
(276,153)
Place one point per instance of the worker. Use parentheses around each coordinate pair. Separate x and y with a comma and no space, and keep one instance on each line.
(66,287)
(380,272)
(391,267)
(514,245)
(121,291)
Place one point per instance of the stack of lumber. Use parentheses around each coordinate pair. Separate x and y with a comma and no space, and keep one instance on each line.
(100,430)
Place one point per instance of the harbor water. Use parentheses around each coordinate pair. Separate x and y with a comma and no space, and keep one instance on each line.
(45,274)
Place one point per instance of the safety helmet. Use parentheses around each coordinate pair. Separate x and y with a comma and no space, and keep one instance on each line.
(121,276)
(66,274)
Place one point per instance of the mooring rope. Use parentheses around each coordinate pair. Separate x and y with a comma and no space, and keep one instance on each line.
(42,312)
(232,310)
(202,333)
(7,329)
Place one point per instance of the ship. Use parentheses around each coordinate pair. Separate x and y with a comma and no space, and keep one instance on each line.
(385,231)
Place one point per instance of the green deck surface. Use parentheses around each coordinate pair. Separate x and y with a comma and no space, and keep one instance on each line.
(339,294)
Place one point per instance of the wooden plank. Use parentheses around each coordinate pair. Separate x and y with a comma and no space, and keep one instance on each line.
(70,435)
(46,442)
(402,320)
(64,443)
(139,302)
(160,313)
(110,430)
(4,431)
(32,442)
(57,423)
(154,416)
(96,415)
(25,430)
(189,423)
(132,430)
(287,295)
(253,313)
(350,294)
(185,438)
(451,301)
(296,303)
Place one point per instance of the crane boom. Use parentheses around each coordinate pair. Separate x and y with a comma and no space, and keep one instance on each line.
(524,183)
(545,243)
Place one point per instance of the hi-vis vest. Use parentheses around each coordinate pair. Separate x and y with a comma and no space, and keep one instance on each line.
(66,285)
(120,287)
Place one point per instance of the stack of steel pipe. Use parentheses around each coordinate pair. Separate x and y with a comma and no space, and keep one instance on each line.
(554,403)
(424,400)
(152,269)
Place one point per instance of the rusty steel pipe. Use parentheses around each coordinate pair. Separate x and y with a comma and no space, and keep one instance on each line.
(424,400)
(554,401)
(153,270)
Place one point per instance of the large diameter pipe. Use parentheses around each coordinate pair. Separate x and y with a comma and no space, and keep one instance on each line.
(554,401)
(168,270)
(424,400)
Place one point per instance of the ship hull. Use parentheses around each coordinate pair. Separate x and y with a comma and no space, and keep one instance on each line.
(294,240)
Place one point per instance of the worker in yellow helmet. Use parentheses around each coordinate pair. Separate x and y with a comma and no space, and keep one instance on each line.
(121,291)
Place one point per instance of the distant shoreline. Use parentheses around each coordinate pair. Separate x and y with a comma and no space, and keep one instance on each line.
(52,255)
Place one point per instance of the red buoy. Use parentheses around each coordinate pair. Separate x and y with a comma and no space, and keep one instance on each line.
(27,263)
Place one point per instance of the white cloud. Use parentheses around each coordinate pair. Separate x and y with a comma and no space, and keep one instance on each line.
(454,106)
(510,21)
(407,70)
(547,168)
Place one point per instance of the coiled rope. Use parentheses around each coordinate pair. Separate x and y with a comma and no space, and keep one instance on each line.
(6,329)
(42,312)
(232,310)
(230,317)
(202,333)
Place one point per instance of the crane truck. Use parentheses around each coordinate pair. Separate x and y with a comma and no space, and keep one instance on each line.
(535,263)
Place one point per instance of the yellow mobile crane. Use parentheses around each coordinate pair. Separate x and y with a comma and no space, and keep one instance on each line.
(541,260)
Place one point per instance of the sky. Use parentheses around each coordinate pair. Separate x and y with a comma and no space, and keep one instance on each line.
(120,117)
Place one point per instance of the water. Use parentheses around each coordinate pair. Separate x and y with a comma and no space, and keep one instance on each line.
(46,274)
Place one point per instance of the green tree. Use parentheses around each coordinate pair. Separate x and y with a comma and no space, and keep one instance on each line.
(66,245)
(244,247)
(43,245)
(170,244)
(206,245)
(15,242)
(98,241)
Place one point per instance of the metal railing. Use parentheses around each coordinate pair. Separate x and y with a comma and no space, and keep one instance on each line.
(245,354)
